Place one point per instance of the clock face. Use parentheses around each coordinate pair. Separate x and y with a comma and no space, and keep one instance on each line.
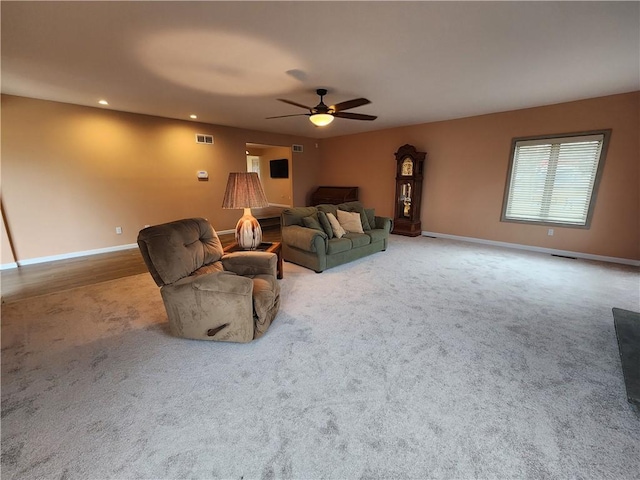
(407,167)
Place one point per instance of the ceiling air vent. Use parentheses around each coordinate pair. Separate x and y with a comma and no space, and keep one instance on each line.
(202,138)
(296,148)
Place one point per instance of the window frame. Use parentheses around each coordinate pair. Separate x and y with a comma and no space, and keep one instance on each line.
(606,136)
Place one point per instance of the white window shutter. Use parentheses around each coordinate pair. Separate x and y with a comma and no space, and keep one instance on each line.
(552,180)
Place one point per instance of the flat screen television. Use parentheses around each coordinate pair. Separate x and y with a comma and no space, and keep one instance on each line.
(279,168)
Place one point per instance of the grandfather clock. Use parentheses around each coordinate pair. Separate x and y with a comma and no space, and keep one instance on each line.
(409,169)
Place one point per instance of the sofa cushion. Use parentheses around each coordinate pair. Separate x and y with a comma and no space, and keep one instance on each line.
(294,216)
(350,221)
(327,208)
(302,238)
(326,225)
(251,262)
(377,235)
(337,245)
(312,222)
(358,239)
(338,231)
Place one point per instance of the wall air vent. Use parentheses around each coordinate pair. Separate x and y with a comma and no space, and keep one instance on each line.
(296,148)
(205,139)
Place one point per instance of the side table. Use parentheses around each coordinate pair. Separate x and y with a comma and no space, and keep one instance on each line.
(270,247)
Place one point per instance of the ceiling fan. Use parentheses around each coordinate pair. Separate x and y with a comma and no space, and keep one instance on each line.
(322,115)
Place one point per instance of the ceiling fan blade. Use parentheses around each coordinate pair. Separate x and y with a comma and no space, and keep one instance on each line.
(356,102)
(294,103)
(354,116)
(295,115)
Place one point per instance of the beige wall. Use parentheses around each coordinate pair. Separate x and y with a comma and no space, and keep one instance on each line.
(466,170)
(71,174)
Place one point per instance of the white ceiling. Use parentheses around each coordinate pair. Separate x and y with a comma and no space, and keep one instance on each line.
(228,62)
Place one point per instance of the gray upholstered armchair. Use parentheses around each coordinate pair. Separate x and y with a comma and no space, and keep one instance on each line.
(209,295)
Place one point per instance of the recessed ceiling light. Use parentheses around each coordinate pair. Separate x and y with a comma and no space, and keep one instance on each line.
(103,102)
(193,116)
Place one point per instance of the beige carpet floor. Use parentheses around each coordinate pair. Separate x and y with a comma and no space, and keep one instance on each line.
(434,359)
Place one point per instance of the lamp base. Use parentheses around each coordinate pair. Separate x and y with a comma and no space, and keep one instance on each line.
(248,231)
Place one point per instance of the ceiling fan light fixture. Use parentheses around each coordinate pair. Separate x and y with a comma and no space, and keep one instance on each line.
(322,115)
(321,119)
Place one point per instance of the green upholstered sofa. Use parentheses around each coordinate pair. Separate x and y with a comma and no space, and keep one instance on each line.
(315,249)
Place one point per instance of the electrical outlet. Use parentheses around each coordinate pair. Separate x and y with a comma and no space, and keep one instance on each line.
(550,232)
(119,230)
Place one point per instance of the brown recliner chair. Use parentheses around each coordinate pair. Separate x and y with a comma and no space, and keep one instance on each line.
(209,295)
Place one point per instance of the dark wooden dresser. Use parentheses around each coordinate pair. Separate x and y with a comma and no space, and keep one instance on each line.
(334,195)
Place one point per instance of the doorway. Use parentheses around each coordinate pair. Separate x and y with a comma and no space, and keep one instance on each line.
(268,162)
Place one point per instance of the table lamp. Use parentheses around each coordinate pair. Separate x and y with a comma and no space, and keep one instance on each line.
(245,191)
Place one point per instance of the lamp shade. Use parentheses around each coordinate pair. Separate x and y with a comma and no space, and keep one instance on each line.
(244,190)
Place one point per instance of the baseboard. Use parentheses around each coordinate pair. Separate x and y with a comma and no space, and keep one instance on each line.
(65,256)
(531,248)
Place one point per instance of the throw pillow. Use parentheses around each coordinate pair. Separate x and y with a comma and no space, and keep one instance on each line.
(324,221)
(350,221)
(371,216)
(357,207)
(338,231)
(312,222)
(364,220)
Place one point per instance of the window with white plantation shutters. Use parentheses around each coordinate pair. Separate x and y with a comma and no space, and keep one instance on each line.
(553,180)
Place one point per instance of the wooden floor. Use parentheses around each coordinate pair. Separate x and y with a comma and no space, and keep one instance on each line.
(33,280)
